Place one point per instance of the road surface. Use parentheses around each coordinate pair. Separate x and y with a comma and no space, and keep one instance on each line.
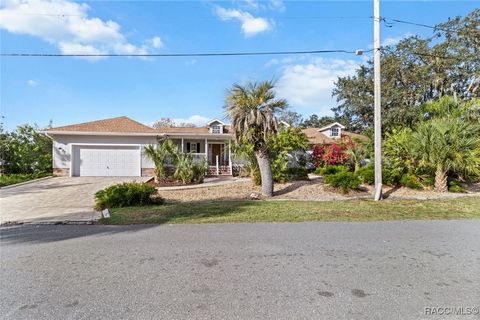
(370,270)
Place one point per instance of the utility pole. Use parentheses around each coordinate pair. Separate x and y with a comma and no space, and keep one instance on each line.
(377,100)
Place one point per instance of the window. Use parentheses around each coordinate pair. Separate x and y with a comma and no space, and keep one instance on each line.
(216,129)
(334,132)
(193,147)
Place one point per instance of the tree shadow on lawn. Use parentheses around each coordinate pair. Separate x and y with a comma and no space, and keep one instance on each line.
(41,233)
(176,211)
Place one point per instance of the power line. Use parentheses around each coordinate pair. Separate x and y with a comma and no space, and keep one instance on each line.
(386,20)
(202,54)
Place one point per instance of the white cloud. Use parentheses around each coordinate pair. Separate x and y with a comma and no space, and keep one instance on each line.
(156,42)
(252,4)
(309,86)
(32,83)
(391,41)
(250,25)
(66,25)
(277,5)
(195,119)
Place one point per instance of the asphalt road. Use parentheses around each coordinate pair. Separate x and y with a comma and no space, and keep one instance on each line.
(375,270)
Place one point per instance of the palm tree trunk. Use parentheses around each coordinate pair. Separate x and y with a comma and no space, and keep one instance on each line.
(441,180)
(357,166)
(265,172)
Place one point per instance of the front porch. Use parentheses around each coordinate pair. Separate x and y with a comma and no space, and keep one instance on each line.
(216,152)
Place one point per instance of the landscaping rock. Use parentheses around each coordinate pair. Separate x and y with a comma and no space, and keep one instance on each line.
(254,196)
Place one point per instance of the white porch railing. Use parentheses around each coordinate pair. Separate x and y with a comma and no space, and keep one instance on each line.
(198,157)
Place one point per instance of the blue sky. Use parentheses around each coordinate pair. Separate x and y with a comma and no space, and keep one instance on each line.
(71,90)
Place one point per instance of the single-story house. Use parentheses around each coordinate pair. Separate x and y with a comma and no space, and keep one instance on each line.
(114,147)
(330,134)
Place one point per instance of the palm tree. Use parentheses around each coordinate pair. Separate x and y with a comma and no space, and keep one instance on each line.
(251,109)
(448,145)
(160,154)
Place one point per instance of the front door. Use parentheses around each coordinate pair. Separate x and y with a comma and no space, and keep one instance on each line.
(216,151)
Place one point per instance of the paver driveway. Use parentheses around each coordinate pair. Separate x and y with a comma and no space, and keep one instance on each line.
(60,198)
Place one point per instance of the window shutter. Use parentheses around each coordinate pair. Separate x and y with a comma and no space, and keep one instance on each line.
(198,147)
(188,146)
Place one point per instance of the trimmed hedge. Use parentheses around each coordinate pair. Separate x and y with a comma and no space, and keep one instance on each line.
(125,195)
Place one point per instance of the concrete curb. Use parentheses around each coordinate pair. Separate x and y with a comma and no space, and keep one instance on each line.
(47,222)
(26,182)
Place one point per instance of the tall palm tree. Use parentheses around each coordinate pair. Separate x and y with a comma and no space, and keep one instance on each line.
(252,109)
(448,145)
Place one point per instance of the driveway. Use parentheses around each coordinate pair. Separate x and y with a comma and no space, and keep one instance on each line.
(346,270)
(55,199)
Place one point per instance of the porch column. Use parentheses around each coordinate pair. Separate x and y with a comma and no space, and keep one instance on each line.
(230,156)
(206,149)
(182,146)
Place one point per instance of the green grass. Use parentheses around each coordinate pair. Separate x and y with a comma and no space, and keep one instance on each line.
(9,179)
(296,211)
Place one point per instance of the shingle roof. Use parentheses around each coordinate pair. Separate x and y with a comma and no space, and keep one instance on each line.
(316,137)
(117,125)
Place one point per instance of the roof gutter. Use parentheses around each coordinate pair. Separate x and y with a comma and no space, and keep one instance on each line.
(92,133)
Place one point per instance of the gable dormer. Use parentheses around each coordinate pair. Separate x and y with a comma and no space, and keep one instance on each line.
(333,130)
(216,126)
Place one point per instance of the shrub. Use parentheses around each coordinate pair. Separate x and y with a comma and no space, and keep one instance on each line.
(367,174)
(391,177)
(329,170)
(317,155)
(455,186)
(14,178)
(188,170)
(335,154)
(346,181)
(126,194)
(297,173)
(411,181)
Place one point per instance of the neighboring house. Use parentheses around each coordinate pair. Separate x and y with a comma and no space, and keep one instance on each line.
(330,134)
(114,147)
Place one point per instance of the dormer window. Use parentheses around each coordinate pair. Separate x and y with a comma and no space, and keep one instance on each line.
(216,128)
(334,132)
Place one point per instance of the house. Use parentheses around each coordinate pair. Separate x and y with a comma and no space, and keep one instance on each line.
(330,134)
(114,147)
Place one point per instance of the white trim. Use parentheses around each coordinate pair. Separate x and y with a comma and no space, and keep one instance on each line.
(187,135)
(97,133)
(206,149)
(230,157)
(215,120)
(71,160)
(331,125)
(107,144)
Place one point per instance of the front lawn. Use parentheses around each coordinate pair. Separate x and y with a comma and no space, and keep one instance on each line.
(296,211)
(9,179)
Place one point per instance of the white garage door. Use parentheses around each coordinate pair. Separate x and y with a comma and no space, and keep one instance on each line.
(93,161)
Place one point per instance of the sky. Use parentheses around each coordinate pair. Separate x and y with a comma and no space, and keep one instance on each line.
(69,90)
